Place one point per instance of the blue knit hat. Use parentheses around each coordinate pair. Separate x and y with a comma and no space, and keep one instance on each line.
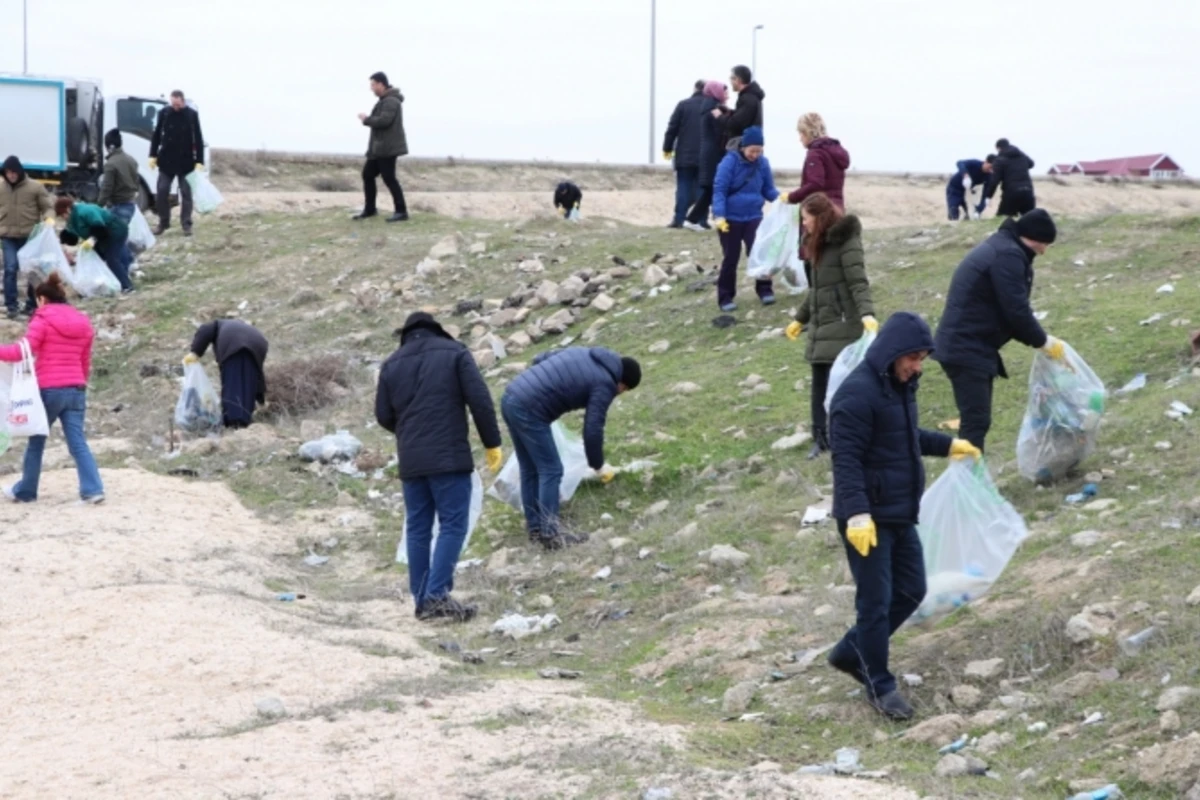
(752,136)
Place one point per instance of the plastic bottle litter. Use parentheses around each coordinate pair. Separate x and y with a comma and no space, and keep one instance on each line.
(1179,410)
(1166,288)
(1137,382)
(1089,491)
(1134,644)
(1110,792)
(955,746)
(288,597)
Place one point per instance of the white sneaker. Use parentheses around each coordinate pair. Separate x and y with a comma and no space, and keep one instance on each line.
(94,500)
(9,495)
(694,226)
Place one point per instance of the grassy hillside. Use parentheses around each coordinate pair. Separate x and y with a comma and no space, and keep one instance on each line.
(666,629)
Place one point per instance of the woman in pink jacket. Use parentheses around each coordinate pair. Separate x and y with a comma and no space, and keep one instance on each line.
(60,338)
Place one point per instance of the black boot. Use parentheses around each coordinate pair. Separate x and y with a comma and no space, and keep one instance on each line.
(820,444)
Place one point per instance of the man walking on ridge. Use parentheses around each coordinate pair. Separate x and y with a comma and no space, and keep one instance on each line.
(387,143)
(682,145)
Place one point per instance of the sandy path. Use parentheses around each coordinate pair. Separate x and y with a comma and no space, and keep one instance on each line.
(880,201)
(138,637)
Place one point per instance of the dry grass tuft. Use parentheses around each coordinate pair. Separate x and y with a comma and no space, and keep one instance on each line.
(333,183)
(298,387)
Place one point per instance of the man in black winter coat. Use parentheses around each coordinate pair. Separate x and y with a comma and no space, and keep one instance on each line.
(176,151)
(987,306)
(1010,173)
(682,144)
(425,389)
(878,480)
(748,111)
(556,383)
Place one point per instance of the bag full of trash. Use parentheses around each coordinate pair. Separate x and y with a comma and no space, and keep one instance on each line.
(140,236)
(199,406)
(1062,419)
(507,487)
(968,533)
(43,253)
(776,250)
(92,277)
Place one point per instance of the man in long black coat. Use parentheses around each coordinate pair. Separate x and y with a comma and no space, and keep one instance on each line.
(176,151)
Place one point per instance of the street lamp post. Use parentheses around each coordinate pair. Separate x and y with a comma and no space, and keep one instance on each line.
(653,38)
(754,51)
(24,37)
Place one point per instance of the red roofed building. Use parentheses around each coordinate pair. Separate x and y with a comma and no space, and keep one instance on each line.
(1066,169)
(1158,166)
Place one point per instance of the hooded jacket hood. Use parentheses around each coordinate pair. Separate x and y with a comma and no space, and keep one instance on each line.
(14,164)
(902,334)
(393,92)
(754,89)
(420,321)
(832,146)
(844,230)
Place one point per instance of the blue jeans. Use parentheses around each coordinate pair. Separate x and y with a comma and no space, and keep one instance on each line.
(116,255)
(67,406)
(125,212)
(448,497)
(890,584)
(9,246)
(687,189)
(541,468)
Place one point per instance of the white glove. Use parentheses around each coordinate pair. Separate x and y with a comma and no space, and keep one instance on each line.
(975,214)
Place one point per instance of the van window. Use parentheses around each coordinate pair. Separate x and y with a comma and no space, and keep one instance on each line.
(138,117)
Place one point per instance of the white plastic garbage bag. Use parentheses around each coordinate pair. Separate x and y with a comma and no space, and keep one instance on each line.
(847,360)
(6,376)
(205,197)
(140,236)
(472,520)
(92,276)
(43,253)
(969,534)
(1062,420)
(199,406)
(776,251)
(507,487)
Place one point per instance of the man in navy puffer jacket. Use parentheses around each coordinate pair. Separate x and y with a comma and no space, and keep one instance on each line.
(878,480)
(556,383)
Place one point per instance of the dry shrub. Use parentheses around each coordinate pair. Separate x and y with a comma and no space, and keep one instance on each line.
(298,387)
(333,183)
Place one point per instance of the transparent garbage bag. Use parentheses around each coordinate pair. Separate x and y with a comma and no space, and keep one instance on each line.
(199,406)
(205,196)
(969,533)
(43,253)
(472,520)
(507,487)
(140,236)
(776,250)
(1062,419)
(92,277)
(846,362)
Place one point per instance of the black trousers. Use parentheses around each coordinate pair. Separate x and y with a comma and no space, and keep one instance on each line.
(163,199)
(973,396)
(820,385)
(1014,204)
(382,168)
(699,213)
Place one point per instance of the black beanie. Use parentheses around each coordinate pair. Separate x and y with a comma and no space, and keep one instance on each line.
(631,373)
(1038,226)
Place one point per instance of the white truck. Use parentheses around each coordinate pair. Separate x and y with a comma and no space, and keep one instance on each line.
(56,127)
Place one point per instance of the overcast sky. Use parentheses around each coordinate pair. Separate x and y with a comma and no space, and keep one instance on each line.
(905,84)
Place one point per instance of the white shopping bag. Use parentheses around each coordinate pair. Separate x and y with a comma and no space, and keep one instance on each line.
(846,362)
(205,197)
(140,235)
(26,416)
(472,520)
(507,487)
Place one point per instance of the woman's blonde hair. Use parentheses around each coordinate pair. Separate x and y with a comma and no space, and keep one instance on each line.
(811,125)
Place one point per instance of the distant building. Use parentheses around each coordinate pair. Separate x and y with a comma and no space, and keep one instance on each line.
(1066,169)
(1159,166)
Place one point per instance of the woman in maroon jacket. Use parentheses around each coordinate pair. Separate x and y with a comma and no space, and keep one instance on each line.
(826,164)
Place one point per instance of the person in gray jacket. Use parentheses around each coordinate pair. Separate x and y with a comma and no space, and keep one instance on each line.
(241,350)
(556,383)
(387,143)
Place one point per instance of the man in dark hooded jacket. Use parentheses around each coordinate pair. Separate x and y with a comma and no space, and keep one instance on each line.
(987,306)
(681,144)
(1010,174)
(387,143)
(556,383)
(425,390)
(23,204)
(748,111)
(878,480)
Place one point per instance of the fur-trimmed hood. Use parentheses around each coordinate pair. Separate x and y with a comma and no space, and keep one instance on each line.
(844,230)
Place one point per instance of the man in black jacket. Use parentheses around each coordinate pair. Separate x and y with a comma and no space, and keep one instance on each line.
(682,144)
(556,383)
(748,111)
(987,306)
(425,390)
(176,151)
(878,480)
(1010,173)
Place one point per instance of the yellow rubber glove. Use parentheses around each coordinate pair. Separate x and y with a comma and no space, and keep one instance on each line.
(961,448)
(721,224)
(794,330)
(199,167)
(1054,348)
(87,244)
(191,358)
(495,459)
(606,474)
(49,222)
(860,532)
(667,156)
(870,324)
(153,163)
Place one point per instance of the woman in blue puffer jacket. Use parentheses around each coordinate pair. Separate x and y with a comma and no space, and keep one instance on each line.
(743,182)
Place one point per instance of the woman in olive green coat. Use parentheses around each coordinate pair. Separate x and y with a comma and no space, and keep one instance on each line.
(838,305)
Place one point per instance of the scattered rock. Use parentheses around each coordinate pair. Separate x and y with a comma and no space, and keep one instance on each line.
(270,708)
(467,306)
(570,290)
(723,555)
(305,297)
(738,697)
(1193,599)
(603,303)
(559,321)
(1103,504)
(686,532)
(988,718)
(543,601)
(992,742)
(1175,697)
(445,248)
(657,508)
(659,347)
(1076,686)
(654,276)
(1093,622)
(532,266)
(791,442)
(519,341)
(617,542)
(687,387)
(485,359)
(966,696)
(1086,538)
(1170,722)
(558,673)
(428,267)
(985,670)
(546,293)
(937,731)
(1176,763)
(951,765)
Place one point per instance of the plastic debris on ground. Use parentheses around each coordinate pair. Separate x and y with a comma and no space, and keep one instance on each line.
(1150,320)
(814,515)
(1088,491)
(1166,288)
(955,746)
(507,486)
(517,626)
(288,597)
(340,446)
(1179,410)
(473,515)
(1137,382)
(845,762)
(314,560)
(968,532)
(1132,645)
(1062,418)
(1109,792)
